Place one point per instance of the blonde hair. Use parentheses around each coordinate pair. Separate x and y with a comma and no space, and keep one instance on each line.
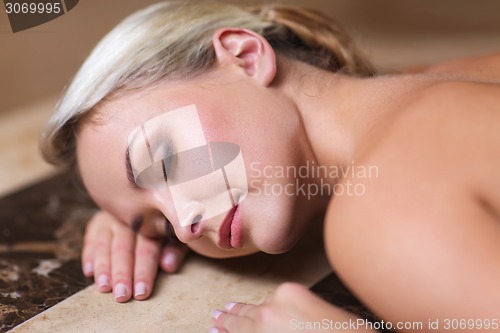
(173,40)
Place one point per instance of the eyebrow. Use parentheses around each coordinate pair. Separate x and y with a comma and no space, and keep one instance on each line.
(128,167)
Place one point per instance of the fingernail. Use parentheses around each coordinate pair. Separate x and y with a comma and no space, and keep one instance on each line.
(216,313)
(102,281)
(169,259)
(119,290)
(229,306)
(213,329)
(140,289)
(88,269)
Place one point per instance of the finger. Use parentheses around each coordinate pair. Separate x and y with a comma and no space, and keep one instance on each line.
(173,256)
(87,251)
(232,322)
(147,253)
(122,262)
(100,245)
(241,309)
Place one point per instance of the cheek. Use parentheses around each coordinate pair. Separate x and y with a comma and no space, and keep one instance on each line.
(231,120)
(216,127)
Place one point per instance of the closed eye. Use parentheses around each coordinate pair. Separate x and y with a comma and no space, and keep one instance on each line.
(128,168)
(164,169)
(165,162)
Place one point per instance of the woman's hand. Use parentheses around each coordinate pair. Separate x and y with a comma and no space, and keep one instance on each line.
(289,309)
(123,261)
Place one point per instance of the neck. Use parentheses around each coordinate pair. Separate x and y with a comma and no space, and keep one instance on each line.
(342,114)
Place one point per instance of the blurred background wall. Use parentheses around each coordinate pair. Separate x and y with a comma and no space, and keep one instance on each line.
(395,33)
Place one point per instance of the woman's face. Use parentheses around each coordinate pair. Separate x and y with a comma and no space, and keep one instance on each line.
(202,154)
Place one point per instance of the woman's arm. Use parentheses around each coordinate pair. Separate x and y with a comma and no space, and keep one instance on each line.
(292,308)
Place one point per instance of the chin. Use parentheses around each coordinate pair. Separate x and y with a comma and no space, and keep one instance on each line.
(277,245)
(207,249)
(278,248)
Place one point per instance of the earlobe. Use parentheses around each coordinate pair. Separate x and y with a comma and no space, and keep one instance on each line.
(246,50)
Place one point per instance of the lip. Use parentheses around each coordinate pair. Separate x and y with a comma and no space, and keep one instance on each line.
(230,230)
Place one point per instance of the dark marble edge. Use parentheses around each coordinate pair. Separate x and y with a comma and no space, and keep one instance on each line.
(332,290)
(41,228)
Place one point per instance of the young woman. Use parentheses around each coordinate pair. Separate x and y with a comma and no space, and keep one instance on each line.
(404,166)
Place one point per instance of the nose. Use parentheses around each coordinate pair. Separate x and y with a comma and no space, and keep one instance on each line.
(187,223)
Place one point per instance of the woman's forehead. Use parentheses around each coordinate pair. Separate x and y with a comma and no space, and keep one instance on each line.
(140,105)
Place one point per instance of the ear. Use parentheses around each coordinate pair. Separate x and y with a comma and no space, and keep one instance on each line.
(247,50)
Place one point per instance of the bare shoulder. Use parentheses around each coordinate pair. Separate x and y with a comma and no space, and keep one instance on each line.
(413,241)
(455,125)
(482,67)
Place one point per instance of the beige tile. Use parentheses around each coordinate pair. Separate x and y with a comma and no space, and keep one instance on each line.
(20,159)
(183,302)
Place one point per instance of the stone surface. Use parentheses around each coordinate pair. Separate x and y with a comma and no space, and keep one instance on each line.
(40,242)
(41,230)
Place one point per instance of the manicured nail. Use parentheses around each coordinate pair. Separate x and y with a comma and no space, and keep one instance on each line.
(119,290)
(213,329)
(229,306)
(170,259)
(140,289)
(216,313)
(103,281)
(88,269)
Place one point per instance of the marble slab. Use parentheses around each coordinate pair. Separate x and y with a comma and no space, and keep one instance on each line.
(182,302)
(41,231)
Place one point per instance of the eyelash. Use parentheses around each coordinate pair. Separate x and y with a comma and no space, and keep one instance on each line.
(130,176)
(164,169)
(165,162)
